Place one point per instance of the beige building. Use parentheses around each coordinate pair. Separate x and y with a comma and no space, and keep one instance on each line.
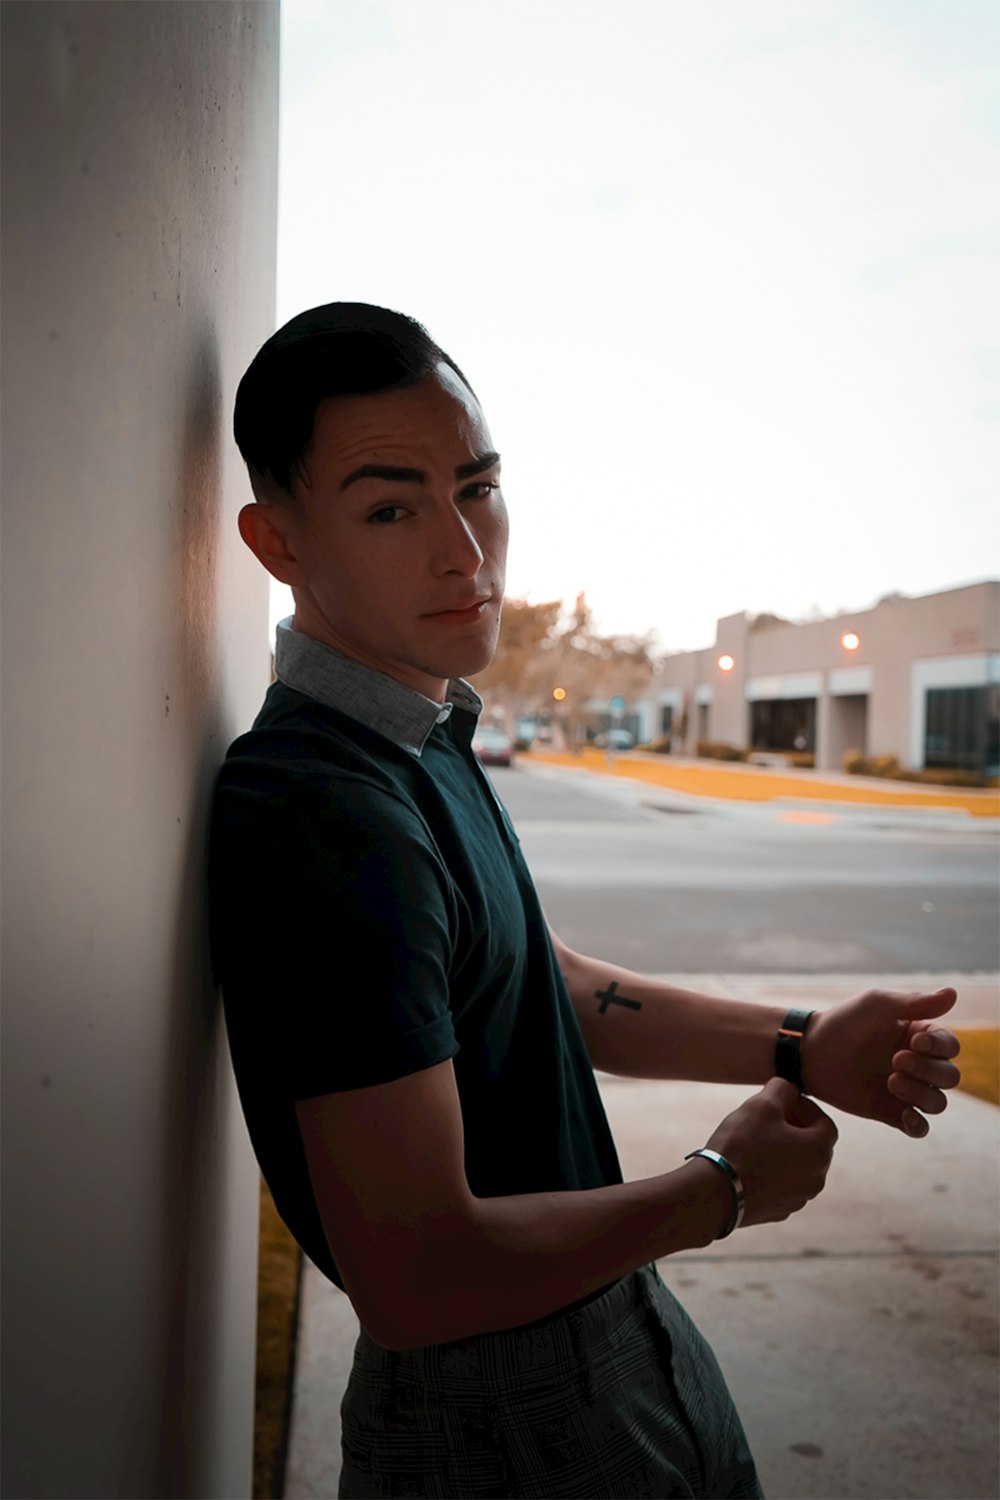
(918,678)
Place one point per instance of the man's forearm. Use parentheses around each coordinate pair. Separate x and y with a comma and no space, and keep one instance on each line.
(425,1260)
(643,1028)
(502,1262)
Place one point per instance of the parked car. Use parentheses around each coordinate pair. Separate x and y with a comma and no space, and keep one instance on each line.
(524,734)
(492,746)
(616,739)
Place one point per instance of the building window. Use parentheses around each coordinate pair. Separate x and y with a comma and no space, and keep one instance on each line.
(962,729)
(783,724)
(666,718)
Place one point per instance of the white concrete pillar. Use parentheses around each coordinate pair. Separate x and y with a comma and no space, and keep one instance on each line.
(825,735)
(139,201)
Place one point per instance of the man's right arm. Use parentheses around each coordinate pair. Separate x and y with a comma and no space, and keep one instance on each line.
(424,1261)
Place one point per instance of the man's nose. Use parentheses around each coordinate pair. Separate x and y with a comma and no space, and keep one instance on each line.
(455,547)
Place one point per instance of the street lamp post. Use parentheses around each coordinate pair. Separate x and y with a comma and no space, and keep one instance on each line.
(559,696)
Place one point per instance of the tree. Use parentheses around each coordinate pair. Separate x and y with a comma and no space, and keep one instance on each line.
(524,631)
(543,647)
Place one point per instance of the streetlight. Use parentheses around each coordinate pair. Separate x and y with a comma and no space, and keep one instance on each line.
(559,694)
(726,663)
(850,641)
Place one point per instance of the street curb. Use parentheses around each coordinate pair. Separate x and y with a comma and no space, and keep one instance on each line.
(648,794)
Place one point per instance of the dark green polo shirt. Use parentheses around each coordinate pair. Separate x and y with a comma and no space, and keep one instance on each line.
(372,915)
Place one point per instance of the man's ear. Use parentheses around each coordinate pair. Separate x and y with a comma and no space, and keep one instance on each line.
(268,531)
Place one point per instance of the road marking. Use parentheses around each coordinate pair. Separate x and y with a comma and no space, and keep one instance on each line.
(807,817)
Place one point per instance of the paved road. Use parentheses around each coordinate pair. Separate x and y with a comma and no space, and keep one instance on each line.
(693,886)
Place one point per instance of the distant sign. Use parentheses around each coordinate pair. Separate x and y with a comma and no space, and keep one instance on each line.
(618,704)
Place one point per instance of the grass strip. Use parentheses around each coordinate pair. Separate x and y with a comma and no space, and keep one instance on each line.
(279,1275)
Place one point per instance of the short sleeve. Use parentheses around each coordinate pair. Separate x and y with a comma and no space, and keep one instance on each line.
(333,930)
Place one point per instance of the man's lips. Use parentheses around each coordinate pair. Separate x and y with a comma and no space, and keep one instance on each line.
(461,612)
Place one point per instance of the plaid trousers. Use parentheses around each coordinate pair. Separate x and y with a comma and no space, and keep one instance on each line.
(620,1397)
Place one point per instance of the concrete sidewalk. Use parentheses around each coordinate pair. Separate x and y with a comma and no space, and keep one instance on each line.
(859,1337)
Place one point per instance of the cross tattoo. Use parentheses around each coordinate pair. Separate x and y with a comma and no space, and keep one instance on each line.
(608,997)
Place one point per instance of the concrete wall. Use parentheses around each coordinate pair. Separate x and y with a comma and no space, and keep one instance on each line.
(139,203)
(847,728)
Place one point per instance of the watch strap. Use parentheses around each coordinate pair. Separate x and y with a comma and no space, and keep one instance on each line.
(788,1046)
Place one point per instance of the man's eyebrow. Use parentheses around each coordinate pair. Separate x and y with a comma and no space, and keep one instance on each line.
(477,465)
(396,475)
(384,471)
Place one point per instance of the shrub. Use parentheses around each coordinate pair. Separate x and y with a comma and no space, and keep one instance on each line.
(884,765)
(718,750)
(804,759)
(857,764)
(943,777)
(660,746)
(888,767)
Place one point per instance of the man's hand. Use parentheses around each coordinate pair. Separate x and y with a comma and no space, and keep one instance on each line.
(781,1144)
(882,1056)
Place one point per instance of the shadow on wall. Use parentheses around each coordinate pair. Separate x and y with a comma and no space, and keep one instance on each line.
(193,1234)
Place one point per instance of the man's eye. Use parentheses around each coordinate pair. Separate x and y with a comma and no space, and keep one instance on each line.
(480,489)
(387,515)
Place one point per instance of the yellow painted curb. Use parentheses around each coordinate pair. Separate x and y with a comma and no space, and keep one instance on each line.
(979,1061)
(750,785)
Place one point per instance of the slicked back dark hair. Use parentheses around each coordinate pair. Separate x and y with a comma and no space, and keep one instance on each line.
(342,349)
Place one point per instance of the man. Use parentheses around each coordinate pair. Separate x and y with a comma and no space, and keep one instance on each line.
(414,1049)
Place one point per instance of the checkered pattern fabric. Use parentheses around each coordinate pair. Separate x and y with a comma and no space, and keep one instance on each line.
(621,1397)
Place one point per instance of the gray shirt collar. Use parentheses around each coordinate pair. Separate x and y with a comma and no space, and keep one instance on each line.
(383,704)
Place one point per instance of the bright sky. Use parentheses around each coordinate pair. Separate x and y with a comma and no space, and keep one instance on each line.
(723,273)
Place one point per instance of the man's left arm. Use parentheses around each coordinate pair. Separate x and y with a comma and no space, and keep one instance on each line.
(880,1055)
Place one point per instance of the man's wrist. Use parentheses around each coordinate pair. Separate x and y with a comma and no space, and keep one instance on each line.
(713,1209)
(737,1202)
(788,1047)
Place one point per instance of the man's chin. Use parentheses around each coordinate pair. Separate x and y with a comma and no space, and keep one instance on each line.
(479,657)
(475,657)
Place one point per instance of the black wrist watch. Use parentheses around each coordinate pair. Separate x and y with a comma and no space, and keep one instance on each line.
(788,1047)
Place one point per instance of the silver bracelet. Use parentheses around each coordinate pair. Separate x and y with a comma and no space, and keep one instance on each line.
(739,1202)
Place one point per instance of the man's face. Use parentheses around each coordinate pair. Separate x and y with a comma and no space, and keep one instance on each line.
(400,533)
